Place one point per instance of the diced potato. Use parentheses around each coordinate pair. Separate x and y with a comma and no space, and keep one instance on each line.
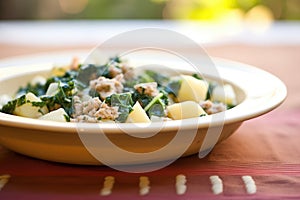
(224,94)
(58,115)
(137,115)
(192,89)
(28,110)
(185,110)
(52,89)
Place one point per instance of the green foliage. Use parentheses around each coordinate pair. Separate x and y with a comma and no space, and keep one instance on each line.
(86,73)
(157,105)
(11,105)
(124,102)
(143,99)
(63,98)
(197,76)
(37,90)
(152,76)
(211,86)
(173,87)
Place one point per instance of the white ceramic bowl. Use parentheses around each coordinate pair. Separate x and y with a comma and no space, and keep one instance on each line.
(257,91)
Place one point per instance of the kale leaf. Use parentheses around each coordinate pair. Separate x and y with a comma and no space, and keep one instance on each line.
(143,99)
(157,105)
(159,78)
(173,87)
(211,86)
(157,109)
(63,98)
(9,108)
(37,89)
(124,103)
(197,76)
(87,73)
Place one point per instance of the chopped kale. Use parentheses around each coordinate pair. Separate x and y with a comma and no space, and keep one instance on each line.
(173,87)
(157,110)
(129,84)
(67,118)
(116,59)
(152,76)
(38,89)
(87,73)
(145,78)
(157,105)
(67,77)
(153,101)
(93,93)
(143,99)
(124,103)
(229,106)
(211,87)
(159,78)
(38,104)
(103,70)
(197,76)
(9,108)
(21,100)
(123,98)
(63,98)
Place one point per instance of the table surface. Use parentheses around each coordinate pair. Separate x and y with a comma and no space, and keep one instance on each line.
(266,148)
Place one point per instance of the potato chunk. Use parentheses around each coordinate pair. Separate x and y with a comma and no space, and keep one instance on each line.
(52,89)
(137,115)
(185,110)
(58,115)
(224,94)
(192,89)
(28,110)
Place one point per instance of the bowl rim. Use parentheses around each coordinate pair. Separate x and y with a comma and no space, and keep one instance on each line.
(276,95)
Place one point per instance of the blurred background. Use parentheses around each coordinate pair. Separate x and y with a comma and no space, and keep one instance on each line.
(212,10)
(34,26)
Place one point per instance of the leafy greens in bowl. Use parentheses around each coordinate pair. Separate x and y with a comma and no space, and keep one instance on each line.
(256,92)
(114,93)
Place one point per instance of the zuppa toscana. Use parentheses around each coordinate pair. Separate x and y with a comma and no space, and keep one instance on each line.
(114,93)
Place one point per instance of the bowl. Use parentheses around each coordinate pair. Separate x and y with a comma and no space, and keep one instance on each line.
(258,92)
